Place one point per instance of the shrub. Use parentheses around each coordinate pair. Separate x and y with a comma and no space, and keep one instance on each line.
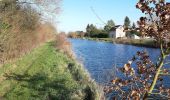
(21,29)
(62,44)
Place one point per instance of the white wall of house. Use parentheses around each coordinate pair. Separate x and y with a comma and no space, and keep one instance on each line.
(135,37)
(118,33)
(146,37)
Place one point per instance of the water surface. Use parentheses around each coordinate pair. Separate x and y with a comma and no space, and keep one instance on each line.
(101,58)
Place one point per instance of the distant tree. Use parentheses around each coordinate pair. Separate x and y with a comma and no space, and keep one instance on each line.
(109,25)
(62,32)
(133,26)
(134,30)
(127,25)
(127,22)
(82,34)
(91,30)
(94,32)
(88,30)
(72,35)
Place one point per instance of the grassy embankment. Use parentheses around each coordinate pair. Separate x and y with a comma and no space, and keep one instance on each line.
(136,42)
(46,74)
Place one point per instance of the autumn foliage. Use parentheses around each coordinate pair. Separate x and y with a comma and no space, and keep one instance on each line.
(143,78)
(21,29)
(62,44)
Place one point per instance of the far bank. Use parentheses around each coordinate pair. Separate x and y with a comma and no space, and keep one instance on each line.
(137,42)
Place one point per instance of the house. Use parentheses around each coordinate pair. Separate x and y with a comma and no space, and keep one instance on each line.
(117,32)
(135,37)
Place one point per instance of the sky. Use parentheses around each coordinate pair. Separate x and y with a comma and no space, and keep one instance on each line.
(75,15)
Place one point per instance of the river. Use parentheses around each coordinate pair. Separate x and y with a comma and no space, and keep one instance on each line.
(101,58)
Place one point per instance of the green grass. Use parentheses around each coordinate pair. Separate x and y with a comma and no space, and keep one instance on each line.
(101,39)
(46,73)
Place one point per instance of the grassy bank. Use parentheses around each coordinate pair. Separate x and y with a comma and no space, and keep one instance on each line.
(46,74)
(101,39)
(136,42)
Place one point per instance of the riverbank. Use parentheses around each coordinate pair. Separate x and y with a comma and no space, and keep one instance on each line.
(46,73)
(137,42)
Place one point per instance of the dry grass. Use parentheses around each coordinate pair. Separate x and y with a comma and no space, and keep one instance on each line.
(136,42)
(62,44)
(21,30)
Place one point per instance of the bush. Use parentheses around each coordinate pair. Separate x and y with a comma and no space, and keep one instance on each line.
(20,29)
(62,44)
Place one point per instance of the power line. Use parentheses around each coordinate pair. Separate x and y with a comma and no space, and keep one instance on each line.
(98,17)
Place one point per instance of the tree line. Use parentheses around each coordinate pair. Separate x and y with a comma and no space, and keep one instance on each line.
(94,32)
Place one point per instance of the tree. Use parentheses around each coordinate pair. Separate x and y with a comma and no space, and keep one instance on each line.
(127,22)
(88,30)
(47,8)
(20,25)
(134,30)
(82,34)
(109,25)
(91,30)
(133,26)
(146,76)
(72,35)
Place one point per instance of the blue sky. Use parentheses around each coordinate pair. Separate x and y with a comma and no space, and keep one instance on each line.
(75,15)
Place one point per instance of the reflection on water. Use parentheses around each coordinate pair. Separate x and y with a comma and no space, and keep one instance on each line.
(101,58)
